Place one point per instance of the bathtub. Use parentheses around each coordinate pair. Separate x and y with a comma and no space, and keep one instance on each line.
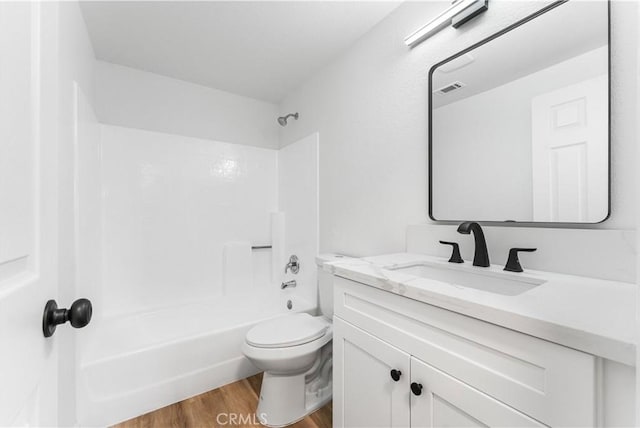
(138,363)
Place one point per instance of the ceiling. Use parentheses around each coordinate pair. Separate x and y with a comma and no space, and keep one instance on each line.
(260,49)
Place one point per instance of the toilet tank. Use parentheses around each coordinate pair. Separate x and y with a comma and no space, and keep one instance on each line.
(325,282)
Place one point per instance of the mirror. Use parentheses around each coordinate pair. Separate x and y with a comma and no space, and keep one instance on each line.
(519,122)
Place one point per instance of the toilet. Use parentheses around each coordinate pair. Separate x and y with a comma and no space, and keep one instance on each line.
(295,353)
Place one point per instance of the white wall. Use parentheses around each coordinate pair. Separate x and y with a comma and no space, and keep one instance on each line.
(469,137)
(170,204)
(137,99)
(370,106)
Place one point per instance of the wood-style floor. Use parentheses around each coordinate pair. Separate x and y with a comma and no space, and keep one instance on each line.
(240,398)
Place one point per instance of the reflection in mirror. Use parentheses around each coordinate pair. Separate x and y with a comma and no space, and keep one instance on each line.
(519,127)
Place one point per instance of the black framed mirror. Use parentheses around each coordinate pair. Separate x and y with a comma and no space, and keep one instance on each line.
(519,123)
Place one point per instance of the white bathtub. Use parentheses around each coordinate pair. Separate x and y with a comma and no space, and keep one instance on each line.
(139,363)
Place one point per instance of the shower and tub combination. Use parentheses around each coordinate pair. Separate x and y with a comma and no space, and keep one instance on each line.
(187,240)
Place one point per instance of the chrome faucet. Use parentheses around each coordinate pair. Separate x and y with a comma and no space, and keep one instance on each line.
(294,265)
(481,255)
(288,284)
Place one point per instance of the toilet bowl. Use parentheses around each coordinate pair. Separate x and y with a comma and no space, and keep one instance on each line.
(295,353)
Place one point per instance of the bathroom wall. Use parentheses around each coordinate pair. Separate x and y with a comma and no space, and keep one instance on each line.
(370,106)
(137,99)
(170,205)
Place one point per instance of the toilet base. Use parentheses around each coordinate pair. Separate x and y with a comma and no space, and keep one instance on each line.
(285,400)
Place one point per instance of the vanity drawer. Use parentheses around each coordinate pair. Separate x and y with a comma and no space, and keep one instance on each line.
(551,383)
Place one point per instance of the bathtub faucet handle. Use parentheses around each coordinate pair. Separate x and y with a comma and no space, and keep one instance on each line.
(289,284)
(294,265)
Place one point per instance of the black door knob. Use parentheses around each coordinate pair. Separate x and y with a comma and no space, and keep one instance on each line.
(395,374)
(78,315)
(416,388)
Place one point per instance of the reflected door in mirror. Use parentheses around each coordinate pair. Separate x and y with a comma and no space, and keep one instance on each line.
(570,136)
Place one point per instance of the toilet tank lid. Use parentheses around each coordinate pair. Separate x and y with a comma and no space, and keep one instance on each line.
(287,330)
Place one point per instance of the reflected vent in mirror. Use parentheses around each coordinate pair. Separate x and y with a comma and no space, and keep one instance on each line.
(450,88)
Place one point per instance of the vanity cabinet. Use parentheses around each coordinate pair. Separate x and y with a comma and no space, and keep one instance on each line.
(472,373)
(379,385)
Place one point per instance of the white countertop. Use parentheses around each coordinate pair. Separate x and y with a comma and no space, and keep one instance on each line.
(591,315)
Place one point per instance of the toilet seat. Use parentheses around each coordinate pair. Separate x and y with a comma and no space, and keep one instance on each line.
(287,331)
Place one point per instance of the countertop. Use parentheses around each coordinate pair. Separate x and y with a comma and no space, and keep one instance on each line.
(591,315)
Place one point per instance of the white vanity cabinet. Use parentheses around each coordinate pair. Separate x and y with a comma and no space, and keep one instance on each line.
(369,396)
(472,373)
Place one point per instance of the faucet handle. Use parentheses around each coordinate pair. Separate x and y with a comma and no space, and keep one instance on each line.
(513,263)
(455,254)
(294,265)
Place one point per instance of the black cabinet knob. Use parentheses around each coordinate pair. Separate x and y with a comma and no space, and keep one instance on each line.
(78,315)
(416,388)
(395,374)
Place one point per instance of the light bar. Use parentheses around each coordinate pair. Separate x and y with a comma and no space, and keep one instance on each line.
(444,19)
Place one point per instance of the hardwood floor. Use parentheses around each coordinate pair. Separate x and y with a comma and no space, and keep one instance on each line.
(214,409)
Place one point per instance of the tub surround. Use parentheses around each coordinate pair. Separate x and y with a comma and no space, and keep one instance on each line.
(298,200)
(591,315)
(170,204)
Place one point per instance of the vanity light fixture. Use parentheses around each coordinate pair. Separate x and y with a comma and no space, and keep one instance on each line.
(457,14)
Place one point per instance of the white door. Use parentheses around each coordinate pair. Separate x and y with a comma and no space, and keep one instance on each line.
(570,153)
(441,400)
(364,392)
(28,197)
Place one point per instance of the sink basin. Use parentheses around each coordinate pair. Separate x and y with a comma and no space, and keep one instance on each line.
(504,283)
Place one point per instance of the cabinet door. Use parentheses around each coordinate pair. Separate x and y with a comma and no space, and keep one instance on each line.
(365,394)
(444,401)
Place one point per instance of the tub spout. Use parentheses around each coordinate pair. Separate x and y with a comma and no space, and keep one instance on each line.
(289,284)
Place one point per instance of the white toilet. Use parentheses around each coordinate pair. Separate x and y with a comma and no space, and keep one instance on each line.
(295,353)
